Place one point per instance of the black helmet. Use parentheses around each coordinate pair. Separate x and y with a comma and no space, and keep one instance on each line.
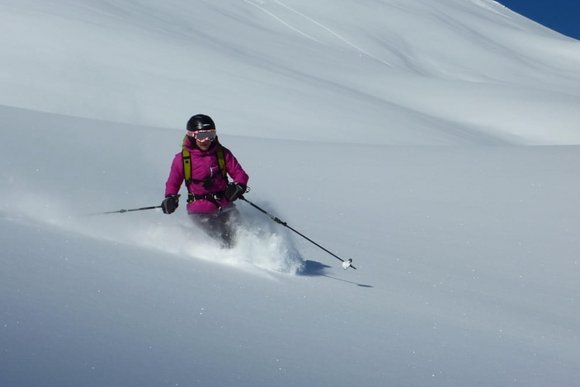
(200,122)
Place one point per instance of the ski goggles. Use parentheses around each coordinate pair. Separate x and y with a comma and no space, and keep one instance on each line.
(203,135)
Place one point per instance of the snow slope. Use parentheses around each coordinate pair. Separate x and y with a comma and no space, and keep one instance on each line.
(467,254)
(410,72)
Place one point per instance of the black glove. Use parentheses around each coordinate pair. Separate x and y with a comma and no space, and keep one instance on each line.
(234,191)
(169,204)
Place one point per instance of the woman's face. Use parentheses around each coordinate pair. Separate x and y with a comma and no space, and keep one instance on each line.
(203,144)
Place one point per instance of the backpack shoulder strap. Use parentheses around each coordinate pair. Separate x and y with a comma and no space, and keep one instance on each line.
(186,157)
(221,160)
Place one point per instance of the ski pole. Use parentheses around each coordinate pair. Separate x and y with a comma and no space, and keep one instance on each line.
(346,263)
(123,211)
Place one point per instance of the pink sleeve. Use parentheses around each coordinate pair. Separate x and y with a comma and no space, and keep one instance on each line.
(175,178)
(234,169)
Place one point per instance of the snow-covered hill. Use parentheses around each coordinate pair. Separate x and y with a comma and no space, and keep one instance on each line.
(467,254)
(410,72)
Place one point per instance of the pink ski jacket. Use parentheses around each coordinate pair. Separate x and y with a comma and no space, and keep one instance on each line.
(206,177)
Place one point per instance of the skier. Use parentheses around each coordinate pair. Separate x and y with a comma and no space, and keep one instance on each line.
(204,165)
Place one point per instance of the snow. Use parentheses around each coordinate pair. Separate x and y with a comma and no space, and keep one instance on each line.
(437,144)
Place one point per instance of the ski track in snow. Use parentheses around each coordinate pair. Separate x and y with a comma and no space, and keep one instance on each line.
(325,28)
(279,19)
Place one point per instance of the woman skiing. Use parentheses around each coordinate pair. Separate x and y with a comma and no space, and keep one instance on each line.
(204,164)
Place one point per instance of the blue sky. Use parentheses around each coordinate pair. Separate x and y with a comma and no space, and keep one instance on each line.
(559,15)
